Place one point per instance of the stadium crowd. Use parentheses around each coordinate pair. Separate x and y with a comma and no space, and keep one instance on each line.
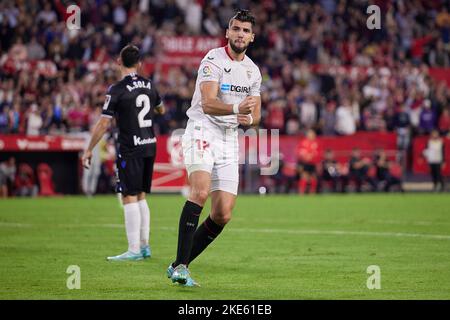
(322,68)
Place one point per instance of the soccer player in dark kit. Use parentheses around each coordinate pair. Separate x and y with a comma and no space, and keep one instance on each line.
(133,102)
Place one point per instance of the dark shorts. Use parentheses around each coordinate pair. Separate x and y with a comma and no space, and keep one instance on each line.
(308,167)
(134,175)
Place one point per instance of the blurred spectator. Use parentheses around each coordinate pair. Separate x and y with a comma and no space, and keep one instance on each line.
(193,16)
(211,24)
(330,171)
(44,177)
(34,121)
(308,155)
(427,118)
(275,115)
(4,120)
(359,171)
(402,123)
(35,51)
(308,113)
(25,182)
(385,179)
(14,119)
(345,119)
(444,122)
(327,121)
(7,174)
(434,154)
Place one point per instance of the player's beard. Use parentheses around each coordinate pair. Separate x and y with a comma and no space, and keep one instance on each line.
(237,49)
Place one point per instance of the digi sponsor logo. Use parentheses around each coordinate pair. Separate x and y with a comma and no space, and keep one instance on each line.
(225,87)
(232,88)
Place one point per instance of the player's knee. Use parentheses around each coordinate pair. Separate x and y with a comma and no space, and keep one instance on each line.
(222,218)
(222,215)
(199,196)
(141,196)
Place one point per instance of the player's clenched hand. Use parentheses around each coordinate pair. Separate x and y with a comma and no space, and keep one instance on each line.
(160,110)
(86,159)
(247,105)
(245,119)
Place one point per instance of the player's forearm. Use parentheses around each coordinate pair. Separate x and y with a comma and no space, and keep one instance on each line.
(215,107)
(99,130)
(256,115)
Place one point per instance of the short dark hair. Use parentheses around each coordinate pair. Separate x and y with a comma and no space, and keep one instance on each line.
(130,56)
(243,16)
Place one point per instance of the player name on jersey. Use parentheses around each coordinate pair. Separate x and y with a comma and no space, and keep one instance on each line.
(139,84)
(130,101)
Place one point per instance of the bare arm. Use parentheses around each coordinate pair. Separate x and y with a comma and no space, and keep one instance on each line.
(256,113)
(100,128)
(213,106)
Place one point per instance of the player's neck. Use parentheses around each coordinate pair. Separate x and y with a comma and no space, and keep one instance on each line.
(127,71)
(233,55)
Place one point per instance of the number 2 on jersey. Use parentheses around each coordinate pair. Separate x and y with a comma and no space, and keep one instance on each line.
(143,100)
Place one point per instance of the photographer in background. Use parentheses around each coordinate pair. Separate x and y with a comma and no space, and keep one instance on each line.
(434,153)
(7,174)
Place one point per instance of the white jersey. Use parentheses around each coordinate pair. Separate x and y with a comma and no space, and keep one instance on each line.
(237,80)
(434,151)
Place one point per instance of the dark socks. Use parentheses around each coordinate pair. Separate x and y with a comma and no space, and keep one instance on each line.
(205,234)
(187,226)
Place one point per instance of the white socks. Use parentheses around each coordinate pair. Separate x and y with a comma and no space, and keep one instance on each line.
(137,225)
(145,222)
(132,226)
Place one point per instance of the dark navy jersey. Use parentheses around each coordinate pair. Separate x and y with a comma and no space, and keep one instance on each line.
(132,102)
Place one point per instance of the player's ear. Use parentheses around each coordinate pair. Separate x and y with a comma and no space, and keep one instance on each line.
(253,37)
(226,33)
(119,62)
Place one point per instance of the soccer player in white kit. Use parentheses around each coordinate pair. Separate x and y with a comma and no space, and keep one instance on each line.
(227,93)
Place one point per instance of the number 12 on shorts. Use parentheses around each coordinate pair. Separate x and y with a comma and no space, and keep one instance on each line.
(201,144)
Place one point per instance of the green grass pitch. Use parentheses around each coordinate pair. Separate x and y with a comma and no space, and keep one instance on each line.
(275,247)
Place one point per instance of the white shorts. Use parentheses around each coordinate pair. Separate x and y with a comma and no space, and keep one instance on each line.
(214,150)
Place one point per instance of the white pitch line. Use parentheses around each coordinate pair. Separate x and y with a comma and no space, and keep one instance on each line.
(344,233)
(247,230)
(14,225)
(335,232)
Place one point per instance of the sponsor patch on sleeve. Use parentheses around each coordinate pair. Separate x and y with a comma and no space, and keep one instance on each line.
(206,71)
